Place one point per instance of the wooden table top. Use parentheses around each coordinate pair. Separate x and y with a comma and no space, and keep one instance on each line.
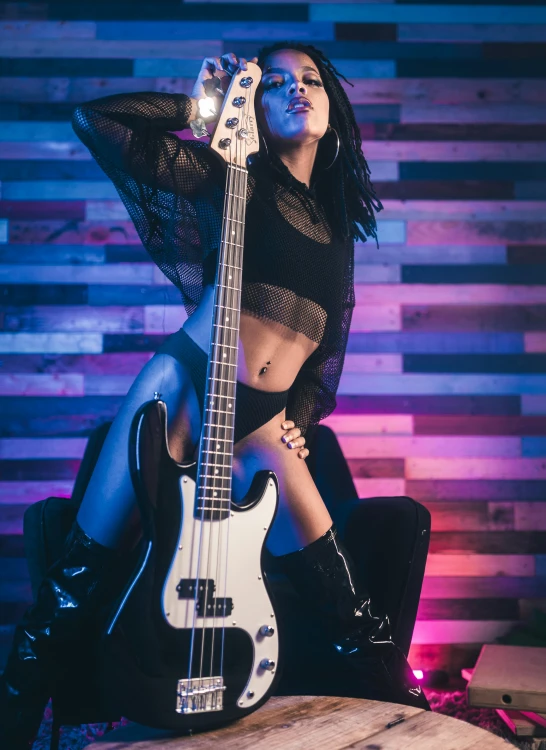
(319,723)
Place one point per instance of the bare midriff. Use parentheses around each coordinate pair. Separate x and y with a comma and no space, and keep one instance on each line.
(270,354)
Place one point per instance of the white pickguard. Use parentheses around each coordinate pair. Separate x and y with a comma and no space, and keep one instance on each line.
(233,561)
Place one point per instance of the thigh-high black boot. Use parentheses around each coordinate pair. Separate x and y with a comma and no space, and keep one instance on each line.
(47,638)
(324,576)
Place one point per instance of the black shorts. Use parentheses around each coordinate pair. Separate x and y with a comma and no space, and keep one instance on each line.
(253,407)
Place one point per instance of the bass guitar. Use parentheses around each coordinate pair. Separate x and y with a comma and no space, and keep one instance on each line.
(193,641)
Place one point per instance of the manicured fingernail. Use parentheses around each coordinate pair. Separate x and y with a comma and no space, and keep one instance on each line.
(283,438)
(290,445)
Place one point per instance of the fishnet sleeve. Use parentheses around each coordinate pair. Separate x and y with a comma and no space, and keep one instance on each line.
(171,188)
(312,396)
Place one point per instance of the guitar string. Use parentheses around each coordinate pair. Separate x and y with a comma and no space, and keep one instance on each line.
(217,376)
(220,426)
(215,507)
(234,291)
(202,453)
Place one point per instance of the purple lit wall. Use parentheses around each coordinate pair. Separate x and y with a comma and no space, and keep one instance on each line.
(443,395)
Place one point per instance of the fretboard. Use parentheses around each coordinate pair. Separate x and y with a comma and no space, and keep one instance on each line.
(215,463)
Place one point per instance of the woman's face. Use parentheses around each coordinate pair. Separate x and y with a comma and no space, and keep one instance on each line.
(289,77)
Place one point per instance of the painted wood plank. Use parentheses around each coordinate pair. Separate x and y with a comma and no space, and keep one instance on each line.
(72,318)
(490,363)
(58,190)
(112,49)
(22,494)
(456,490)
(36,448)
(420,210)
(107,385)
(41,294)
(471,32)
(400,446)
(162,66)
(368,424)
(128,363)
(479,565)
(41,385)
(431,254)
(446,294)
(447,190)
(448,318)
(373,363)
(113,273)
(533,403)
(484,467)
(535,341)
(530,517)
(472,113)
(376,318)
(42,209)
(533,446)
(454,150)
(36,131)
(476,232)
(445,92)
(377,274)
(19,29)
(127,294)
(499,543)
(473,516)
(87,233)
(51,343)
(452,14)
(422,404)
(54,255)
(255,30)
(460,631)
(105,210)
(462,609)
(477,587)
(10,150)
(491,424)
(407,383)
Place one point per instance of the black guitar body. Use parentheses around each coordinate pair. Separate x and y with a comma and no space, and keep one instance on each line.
(145,653)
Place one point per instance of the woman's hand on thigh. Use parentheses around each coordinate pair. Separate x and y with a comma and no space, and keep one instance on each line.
(293,438)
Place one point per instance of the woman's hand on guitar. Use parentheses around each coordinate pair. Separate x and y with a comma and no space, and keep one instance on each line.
(220,67)
(293,438)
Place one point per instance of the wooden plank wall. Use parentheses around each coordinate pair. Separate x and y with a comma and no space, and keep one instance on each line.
(443,396)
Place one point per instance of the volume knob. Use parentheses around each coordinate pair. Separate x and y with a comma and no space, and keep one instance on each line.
(268,664)
(267,631)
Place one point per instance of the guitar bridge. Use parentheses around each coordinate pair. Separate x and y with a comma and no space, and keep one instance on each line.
(200,695)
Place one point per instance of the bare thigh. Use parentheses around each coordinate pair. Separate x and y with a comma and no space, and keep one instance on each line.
(302,515)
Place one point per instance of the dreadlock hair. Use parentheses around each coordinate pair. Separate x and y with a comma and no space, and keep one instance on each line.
(347,195)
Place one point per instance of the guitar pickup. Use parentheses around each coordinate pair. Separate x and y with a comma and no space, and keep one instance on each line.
(207,605)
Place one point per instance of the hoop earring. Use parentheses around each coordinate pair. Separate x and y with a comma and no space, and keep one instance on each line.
(330,128)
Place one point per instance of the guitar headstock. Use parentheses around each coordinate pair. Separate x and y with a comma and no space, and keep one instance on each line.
(235,136)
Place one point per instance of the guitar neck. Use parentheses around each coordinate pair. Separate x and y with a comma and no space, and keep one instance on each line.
(215,463)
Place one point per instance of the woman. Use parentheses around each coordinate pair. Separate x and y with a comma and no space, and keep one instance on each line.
(309,196)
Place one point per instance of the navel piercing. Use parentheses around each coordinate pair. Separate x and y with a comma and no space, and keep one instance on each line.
(264,369)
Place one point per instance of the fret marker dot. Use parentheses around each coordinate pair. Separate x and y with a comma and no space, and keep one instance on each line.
(215,494)
(225,355)
(217,471)
(229,406)
(230,277)
(217,445)
(227,320)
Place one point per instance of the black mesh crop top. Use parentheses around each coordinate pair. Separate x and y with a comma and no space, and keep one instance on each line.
(295,272)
